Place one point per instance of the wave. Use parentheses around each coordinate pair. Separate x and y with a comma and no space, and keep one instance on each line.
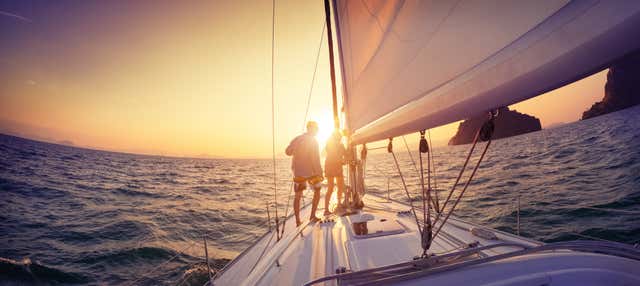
(196,274)
(135,193)
(29,272)
(128,256)
(25,189)
(88,210)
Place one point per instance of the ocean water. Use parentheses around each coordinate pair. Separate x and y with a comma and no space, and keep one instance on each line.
(78,216)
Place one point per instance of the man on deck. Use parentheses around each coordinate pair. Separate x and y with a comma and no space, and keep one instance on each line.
(306,168)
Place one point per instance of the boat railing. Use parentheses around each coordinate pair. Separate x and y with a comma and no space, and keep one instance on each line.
(281,248)
(427,266)
(520,202)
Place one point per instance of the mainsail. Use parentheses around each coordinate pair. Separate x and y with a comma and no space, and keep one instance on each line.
(414,65)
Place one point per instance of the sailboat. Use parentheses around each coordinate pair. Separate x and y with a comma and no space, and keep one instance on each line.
(407,67)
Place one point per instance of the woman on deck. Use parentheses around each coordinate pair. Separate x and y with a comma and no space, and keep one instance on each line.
(333,168)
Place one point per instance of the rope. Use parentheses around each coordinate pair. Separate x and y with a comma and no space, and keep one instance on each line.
(395,184)
(313,77)
(465,186)
(404,184)
(286,210)
(410,156)
(433,166)
(485,132)
(273,116)
(426,203)
(464,166)
(419,172)
(306,114)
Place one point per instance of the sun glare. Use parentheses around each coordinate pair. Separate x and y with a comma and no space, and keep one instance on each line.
(325,124)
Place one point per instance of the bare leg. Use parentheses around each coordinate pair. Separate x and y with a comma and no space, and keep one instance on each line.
(340,183)
(296,206)
(327,197)
(314,203)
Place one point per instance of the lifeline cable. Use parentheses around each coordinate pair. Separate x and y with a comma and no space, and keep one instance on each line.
(273,116)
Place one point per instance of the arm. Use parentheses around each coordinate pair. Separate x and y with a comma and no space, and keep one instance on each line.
(291,147)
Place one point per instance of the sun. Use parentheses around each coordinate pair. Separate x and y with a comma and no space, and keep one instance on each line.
(325,125)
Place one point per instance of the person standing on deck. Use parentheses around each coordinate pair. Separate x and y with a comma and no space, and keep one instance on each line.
(305,164)
(333,168)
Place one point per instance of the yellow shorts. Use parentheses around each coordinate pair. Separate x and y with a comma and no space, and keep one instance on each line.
(300,183)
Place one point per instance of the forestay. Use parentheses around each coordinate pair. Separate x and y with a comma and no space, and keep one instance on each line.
(413,65)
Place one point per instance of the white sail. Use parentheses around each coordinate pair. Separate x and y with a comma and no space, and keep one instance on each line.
(413,65)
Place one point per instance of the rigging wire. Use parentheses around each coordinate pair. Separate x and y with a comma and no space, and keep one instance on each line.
(410,155)
(313,77)
(273,116)
(419,173)
(425,238)
(306,114)
(404,184)
(485,132)
(455,184)
(433,166)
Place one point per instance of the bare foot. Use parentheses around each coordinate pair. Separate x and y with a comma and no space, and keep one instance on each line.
(298,223)
(327,212)
(313,219)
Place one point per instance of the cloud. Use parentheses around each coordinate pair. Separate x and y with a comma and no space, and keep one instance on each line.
(15,16)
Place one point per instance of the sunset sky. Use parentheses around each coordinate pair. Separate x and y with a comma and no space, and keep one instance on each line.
(182,78)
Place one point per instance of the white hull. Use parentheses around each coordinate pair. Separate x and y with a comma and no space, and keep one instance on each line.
(385,255)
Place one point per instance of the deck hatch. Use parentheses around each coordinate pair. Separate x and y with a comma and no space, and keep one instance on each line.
(365,225)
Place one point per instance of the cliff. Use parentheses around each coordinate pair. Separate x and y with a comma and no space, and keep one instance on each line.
(508,123)
(622,89)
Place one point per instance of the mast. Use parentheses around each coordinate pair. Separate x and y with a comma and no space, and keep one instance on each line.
(355,182)
(334,97)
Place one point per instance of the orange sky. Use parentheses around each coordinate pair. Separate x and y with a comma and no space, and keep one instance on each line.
(190,80)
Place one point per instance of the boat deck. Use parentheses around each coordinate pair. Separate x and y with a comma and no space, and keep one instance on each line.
(385,233)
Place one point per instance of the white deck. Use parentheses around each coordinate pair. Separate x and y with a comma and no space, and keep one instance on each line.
(316,250)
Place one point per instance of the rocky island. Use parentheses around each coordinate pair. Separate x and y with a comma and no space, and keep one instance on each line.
(622,89)
(508,123)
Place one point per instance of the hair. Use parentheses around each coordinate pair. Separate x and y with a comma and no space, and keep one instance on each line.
(312,124)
